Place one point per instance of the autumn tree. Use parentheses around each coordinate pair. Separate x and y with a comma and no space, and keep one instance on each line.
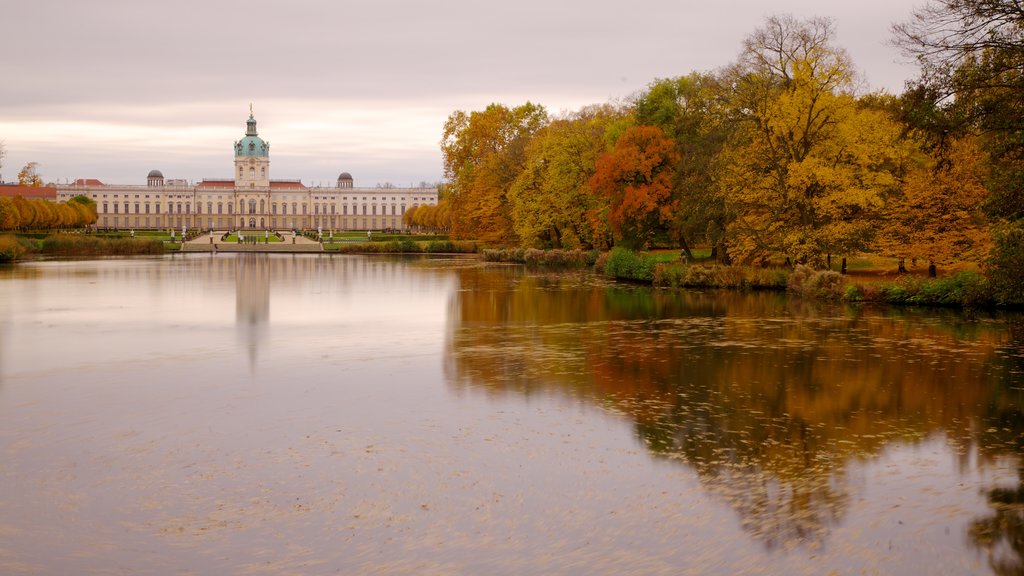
(691,110)
(971,54)
(635,178)
(806,171)
(29,175)
(85,209)
(10,218)
(551,199)
(938,214)
(484,152)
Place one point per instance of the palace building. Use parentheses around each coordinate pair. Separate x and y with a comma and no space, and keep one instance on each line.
(248,200)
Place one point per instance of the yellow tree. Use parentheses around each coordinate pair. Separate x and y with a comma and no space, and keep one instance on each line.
(10,218)
(551,198)
(484,152)
(807,170)
(938,215)
(29,175)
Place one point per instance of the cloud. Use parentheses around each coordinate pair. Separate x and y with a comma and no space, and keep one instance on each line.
(135,82)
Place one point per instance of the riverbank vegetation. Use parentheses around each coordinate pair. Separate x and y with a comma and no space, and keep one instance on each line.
(17,213)
(775,160)
(76,245)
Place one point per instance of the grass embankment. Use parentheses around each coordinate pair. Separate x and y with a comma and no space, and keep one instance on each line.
(406,246)
(15,248)
(965,288)
(546,258)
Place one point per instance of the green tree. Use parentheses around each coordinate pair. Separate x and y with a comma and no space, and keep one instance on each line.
(691,110)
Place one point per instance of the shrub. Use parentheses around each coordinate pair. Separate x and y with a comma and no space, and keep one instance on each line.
(1005,266)
(10,249)
(89,245)
(678,275)
(628,265)
(823,284)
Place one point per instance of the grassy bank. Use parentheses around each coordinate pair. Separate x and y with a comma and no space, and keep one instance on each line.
(15,247)
(405,246)
(965,289)
(542,258)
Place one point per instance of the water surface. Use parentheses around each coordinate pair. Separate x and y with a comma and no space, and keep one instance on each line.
(311,414)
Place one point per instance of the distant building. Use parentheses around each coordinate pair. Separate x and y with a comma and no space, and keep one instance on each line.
(248,200)
(29,192)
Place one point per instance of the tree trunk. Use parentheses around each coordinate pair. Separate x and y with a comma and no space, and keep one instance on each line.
(687,255)
(844,266)
(828,262)
(902,269)
(931,269)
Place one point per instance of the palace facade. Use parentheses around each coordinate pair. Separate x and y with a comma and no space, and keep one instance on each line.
(249,200)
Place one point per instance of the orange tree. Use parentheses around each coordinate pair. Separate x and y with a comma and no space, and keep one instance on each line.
(635,179)
(483,154)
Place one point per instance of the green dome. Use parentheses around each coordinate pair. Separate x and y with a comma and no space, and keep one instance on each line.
(252,144)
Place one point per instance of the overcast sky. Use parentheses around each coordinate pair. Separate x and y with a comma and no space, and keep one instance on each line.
(111,89)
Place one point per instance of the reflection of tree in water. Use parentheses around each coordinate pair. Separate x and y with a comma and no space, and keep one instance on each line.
(767,399)
(1001,534)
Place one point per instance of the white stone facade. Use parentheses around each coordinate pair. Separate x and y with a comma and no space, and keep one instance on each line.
(249,200)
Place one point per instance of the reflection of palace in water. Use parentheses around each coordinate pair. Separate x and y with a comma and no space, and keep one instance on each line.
(252,300)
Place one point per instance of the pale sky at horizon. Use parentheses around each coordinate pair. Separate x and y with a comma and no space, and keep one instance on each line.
(111,89)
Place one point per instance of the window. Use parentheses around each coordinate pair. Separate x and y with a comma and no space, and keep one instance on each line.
(239,172)
(220,207)
(241,206)
(209,207)
(252,173)
(252,146)
(273,208)
(262,209)
(252,206)
(188,207)
(344,209)
(125,207)
(147,212)
(284,208)
(115,207)
(295,208)
(305,208)
(263,172)
(157,207)
(332,209)
(231,207)
(105,209)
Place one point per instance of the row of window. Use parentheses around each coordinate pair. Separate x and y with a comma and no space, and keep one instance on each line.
(186,208)
(210,222)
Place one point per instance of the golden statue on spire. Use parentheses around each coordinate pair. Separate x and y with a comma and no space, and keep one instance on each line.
(250,108)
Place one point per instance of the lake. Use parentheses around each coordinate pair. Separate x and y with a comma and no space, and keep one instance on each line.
(314,414)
